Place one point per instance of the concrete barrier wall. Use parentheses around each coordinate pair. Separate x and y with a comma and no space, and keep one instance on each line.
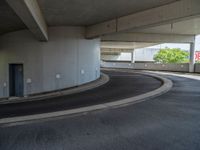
(66,60)
(197,68)
(116,64)
(147,66)
(162,67)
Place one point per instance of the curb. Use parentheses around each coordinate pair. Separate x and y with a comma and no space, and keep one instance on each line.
(94,84)
(194,76)
(167,85)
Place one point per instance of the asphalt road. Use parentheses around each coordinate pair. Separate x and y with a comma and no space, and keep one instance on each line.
(121,85)
(168,122)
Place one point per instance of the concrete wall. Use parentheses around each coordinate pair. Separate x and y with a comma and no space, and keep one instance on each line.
(67,54)
(147,66)
(117,65)
(197,68)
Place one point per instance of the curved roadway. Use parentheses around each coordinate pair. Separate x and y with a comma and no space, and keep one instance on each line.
(121,85)
(168,122)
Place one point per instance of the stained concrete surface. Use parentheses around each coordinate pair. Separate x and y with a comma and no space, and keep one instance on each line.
(168,122)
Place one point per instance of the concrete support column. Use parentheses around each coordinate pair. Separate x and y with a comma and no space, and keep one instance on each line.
(192,57)
(133,56)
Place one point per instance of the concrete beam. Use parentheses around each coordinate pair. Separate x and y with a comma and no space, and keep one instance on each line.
(125,45)
(173,12)
(30,13)
(149,38)
(116,50)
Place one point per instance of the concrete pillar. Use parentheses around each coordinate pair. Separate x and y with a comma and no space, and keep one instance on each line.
(192,57)
(133,56)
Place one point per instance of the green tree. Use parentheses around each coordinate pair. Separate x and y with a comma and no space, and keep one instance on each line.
(174,55)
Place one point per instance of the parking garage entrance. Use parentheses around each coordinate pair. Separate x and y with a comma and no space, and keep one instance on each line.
(16,84)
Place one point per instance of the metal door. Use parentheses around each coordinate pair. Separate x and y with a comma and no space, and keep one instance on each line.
(16,80)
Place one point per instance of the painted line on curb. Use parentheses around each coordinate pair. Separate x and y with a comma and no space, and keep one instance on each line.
(167,85)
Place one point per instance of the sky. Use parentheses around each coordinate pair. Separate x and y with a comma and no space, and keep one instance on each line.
(181,46)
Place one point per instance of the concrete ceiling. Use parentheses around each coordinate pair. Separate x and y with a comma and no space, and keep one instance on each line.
(88,12)
(9,20)
(77,12)
(189,27)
